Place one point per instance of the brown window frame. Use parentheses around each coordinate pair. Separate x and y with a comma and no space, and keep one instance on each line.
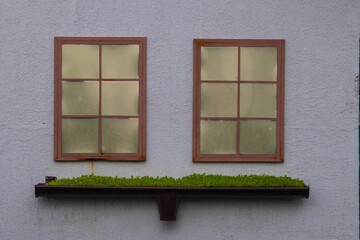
(279,155)
(141,154)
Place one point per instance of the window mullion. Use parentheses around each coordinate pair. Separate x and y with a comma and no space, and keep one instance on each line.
(238,106)
(100,86)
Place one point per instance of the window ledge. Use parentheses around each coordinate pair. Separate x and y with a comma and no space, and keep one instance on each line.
(168,197)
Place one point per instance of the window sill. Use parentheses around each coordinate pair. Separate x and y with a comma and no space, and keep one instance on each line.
(168,197)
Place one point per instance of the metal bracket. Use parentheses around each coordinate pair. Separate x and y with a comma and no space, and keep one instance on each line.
(167,203)
(50,179)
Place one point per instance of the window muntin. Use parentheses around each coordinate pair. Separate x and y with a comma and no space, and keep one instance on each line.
(100,98)
(238,100)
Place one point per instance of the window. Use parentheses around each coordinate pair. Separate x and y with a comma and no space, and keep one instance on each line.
(100,98)
(238,100)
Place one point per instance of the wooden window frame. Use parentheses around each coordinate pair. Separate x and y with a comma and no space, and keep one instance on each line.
(58,155)
(280,45)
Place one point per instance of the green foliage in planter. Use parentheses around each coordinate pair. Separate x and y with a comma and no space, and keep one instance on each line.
(193,180)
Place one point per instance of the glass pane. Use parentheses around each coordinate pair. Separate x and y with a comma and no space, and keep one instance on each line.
(120,61)
(120,135)
(218,136)
(120,98)
(257,137)
(219,99)
(257,100)
(219,63)
(80,61)
(80,98)
(258,64)
(80,135)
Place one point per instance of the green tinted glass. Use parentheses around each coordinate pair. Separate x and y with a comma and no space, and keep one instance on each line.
(219,63)
(218,136)
(218,100)
(80,61)
(120,135)
(120,98)
(80,98)
(257,137)
(120,61)
(258,64)
(258,100)
(80,135)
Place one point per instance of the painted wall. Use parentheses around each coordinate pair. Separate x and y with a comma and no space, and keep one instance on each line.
(321,119)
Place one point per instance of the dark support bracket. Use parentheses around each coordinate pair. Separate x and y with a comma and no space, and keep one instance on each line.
(168,197)
(167,203)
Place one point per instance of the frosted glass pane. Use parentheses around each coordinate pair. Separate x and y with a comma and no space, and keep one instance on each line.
(257,137)
(120,98)
(120,61)
(80,135)
(257,100)
(258,64)
(218,99)
(218,136)
(219,63)
(80,61)
(80,98)
(120,135)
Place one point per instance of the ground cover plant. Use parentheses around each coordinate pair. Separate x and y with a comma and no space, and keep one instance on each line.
(193,180)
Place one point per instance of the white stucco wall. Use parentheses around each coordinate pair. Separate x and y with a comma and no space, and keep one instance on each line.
(321,119)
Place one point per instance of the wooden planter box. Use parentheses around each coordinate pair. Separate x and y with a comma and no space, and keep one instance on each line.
(168,197)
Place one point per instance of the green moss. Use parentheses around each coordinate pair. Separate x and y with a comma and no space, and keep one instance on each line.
(193,180)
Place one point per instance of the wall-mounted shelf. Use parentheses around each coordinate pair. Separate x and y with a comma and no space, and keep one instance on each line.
(168,197)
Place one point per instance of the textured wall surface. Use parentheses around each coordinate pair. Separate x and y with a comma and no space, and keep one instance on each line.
(321,119)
